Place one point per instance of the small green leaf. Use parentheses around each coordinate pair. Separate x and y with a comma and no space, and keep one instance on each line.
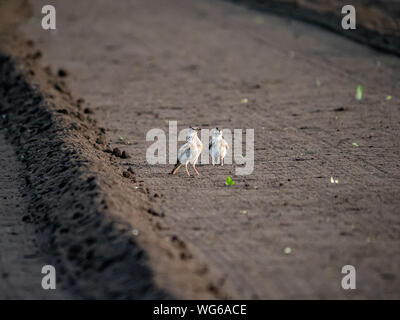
(229,181)
(359,92)
(258,20)
(354,144)
(120,139)
(288,250)
(388,98)
(244,100)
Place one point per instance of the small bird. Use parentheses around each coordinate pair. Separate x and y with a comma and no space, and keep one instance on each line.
(189,152)
(218,147)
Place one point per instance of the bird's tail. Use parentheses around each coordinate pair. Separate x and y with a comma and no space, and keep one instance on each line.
(177,166)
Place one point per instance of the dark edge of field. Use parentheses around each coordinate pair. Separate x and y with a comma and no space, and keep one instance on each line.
(379,32)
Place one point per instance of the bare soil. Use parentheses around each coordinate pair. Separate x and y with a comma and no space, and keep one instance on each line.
(138,64)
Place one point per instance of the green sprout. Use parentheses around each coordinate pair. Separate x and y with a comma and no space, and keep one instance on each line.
(354,144)
(122,140)
(359,92)
(229,181)
(258,20)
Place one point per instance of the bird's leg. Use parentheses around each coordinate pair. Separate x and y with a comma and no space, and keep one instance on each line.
(194,167)
(222,161)
(187,171)
(177,166)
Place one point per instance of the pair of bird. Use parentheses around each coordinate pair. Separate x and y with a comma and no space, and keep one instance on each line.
(191,150)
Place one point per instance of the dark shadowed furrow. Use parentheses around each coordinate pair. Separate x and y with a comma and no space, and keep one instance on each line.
(94,255)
